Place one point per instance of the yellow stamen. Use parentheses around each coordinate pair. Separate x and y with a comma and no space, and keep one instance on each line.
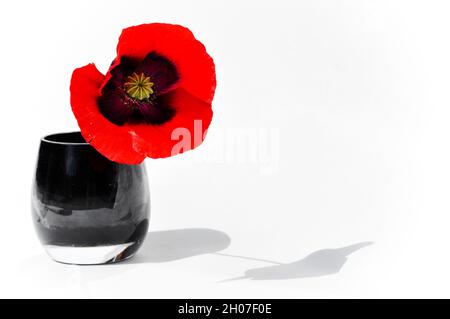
(139,86)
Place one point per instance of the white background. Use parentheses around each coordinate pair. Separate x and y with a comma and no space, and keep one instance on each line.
(356,94)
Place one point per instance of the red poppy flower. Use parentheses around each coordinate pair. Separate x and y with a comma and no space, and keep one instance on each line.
(161,84)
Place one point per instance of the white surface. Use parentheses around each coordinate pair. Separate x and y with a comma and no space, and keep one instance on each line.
(356,97)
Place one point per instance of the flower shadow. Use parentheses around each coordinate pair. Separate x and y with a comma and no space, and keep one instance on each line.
(176,244)
(319,263)
(171,245)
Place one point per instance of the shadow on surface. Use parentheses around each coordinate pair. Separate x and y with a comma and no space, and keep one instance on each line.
(170,245)
(320,263)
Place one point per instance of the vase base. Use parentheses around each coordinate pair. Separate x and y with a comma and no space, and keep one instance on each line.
(95,255)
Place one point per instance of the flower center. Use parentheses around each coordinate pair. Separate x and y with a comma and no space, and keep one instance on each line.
(139,86)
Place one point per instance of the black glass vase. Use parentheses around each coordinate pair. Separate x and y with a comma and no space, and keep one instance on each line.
(87,209)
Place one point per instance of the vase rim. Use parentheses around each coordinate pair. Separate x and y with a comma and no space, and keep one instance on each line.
(65,138)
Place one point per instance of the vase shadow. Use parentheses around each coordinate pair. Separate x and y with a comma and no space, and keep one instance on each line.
(170,245)
(319,263)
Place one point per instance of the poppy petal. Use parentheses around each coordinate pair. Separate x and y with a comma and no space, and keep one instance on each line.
(177,44)
(161,72)
(111,105)
(156,114)
(114,142)
(120,68)
(192,116)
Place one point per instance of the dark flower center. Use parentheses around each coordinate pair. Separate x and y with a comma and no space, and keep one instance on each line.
(137,91)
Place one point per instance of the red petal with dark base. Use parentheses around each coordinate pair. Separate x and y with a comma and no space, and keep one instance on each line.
(161,72)
(114,142)
(191,115)
(177,44)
